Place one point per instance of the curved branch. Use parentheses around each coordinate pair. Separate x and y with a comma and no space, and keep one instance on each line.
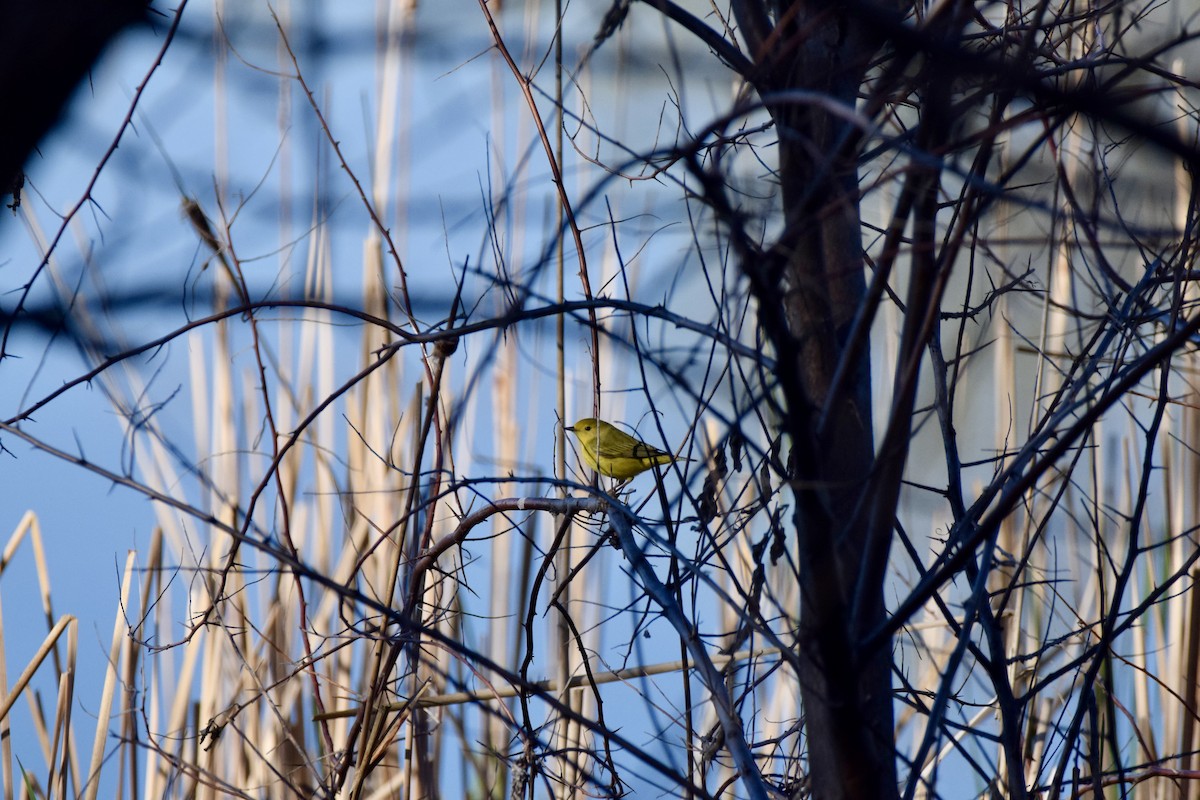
(714,681)
(725,51)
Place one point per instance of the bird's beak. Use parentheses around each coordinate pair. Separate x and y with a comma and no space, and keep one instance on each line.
(570,428)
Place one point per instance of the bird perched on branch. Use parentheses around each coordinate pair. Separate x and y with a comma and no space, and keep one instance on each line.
(612,452)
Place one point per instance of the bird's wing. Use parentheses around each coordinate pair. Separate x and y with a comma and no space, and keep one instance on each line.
(635,449)
(643,450)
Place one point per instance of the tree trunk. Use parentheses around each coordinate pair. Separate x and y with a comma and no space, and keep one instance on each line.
(809,288)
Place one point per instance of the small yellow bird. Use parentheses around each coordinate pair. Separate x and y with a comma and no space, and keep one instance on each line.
(612,452)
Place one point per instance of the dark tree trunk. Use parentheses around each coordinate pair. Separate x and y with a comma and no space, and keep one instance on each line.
(811,59)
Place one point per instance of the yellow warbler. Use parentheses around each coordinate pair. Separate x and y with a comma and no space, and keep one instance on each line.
(612,452)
